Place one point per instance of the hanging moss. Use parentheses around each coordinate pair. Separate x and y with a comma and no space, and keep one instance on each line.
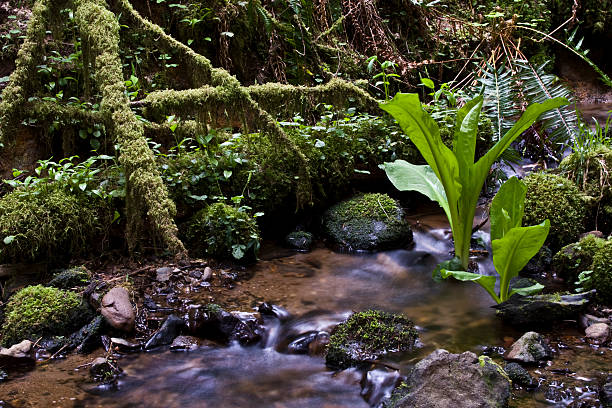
(146,198)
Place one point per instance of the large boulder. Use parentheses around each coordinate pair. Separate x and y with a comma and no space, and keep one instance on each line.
(368,336)
(443,380)
(368,222)
(117,309)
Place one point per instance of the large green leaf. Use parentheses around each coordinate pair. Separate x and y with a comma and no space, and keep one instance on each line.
(410,177)
(466,129)
(486,281)
(529,290)
(507,207)
(512,252)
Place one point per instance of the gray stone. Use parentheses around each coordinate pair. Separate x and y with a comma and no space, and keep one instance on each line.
(163,274)
(169,330)
(117,309)
(18,350)
(530,348)
(597,333)
(443,380)
(124,345)
(207,274)
(185,343)
(17,355)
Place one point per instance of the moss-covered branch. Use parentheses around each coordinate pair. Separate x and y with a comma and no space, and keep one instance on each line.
(147,197)
(30,54)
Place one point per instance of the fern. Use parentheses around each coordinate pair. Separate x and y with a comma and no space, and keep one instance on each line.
(537,86)
(499,103)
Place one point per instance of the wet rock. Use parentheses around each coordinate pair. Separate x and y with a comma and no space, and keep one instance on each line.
(300,240)
(87,339)
(368,336)
(117,309)
(208,273)
(18,355)
(185,343)
(530,348)
(71,278)
(598,333)
(537,310)
(103,370)
(443,379)
(319,345)
(3,376)
(269,309)
(163,274)
(519,375)
(53,344)
(301,344)
(168,332)
(368,223)
(195,274)
(124,346)
(212,322)
(587,320)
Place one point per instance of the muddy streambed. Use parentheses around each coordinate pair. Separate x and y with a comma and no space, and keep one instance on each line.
(318,290)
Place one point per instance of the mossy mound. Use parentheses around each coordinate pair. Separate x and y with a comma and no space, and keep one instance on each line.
(575,258)
(557,199)
(45,225)
(367,336)
(225,232)
(71,278)
(591,172)
(367,222)
(601,278)
(39,311)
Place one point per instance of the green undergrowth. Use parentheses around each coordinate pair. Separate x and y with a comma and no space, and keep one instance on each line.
(38,311)
(601,277)
(47,224)
(575,258)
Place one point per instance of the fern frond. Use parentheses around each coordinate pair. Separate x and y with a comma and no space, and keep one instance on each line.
(499,102)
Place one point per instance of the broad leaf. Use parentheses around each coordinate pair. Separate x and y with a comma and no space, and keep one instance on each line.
(410,177)
(466,129)
(507,208)
(529,290)
(512,252)
(486,281)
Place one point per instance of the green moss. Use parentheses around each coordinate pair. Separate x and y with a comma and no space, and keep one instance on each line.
(224,231)
(575,258)
(38,311)
(47,225)
(376,206)
(77,276)
(367,336)
(557,199)
(601,278)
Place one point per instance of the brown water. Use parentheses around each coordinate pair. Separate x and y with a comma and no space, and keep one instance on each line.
(318,290)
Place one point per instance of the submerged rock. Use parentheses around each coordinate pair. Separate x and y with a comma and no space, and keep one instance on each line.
(530,348)
(444,380)
(185,343)
(117,309)
(104,370)
(367,223)
(598,333)
(166,333)
(542,309)
(519,375)
(368,336)
(300,240)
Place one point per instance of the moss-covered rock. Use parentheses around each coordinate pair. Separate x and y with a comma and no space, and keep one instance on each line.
(300,240)
(45,225)
(601,278)
(367,222)
(557,199)
(590,171)
(223,231)
(367,336)
(71,278)
(575,258)
(38,311)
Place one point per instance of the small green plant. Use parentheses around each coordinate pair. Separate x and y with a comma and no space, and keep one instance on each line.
(387,71)
(513,245)
(451,178)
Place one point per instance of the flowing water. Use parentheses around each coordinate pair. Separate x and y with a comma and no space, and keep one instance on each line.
(317,290)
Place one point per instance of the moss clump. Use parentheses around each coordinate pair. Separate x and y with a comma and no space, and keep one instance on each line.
(223,231)
(367,336)
(557,199)
(38,311)
(591,172)
(575,258)
(71,278)
(368,222)
(601,278)
(45,225)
